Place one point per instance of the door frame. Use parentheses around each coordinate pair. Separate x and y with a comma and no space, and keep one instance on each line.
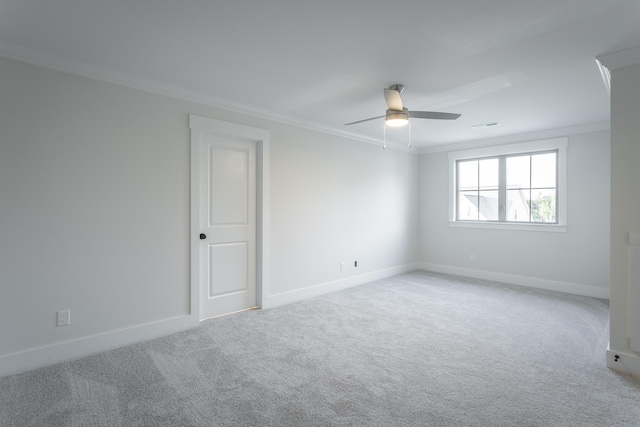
(206,126)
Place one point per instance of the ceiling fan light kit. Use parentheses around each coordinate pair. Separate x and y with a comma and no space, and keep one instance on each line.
(398,115)
(396,119)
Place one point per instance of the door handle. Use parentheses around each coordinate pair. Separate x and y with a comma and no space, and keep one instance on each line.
(203,236)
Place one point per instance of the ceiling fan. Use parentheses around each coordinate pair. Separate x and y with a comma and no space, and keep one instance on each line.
(398,115)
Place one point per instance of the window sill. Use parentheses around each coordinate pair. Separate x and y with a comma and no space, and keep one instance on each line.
(553,228)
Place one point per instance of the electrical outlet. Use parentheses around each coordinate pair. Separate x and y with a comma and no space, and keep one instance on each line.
(472,258)
(64,318)
(343,265)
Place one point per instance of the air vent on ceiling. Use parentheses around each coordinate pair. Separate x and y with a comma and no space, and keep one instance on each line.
(485,125)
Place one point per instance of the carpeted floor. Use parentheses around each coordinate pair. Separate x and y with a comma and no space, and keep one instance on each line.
(419,349)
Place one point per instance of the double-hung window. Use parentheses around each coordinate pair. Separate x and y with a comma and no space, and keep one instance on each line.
(511,186)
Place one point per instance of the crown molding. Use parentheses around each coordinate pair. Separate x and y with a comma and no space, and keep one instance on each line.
(522,137)
(47,60)
(621,58)
(606,76)
(55,62)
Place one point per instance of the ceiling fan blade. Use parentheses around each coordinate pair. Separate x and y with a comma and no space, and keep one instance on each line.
(433,115)
(393,99)
(365,120)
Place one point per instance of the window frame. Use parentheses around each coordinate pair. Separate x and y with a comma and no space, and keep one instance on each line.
(525,148)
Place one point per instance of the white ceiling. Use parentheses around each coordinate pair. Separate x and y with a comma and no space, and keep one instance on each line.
(527,64)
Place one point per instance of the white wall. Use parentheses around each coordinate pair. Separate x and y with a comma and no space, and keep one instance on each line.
(94,190)
(625,207)
(94,216)
(94,213)
(576,261)
(335,200)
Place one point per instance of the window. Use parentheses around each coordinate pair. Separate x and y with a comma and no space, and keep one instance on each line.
(517,186)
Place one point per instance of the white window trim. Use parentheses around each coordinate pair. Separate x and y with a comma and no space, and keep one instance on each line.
(559,144)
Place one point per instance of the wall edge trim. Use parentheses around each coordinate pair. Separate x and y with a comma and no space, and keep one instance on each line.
(38,357)
(512,279)
(296,295)
(625,362)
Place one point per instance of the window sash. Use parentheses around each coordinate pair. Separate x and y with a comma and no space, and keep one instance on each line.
(503,190)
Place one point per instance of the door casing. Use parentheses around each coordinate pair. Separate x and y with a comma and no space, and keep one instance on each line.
(203,125)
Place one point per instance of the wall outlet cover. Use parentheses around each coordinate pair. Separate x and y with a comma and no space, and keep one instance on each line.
(64,318)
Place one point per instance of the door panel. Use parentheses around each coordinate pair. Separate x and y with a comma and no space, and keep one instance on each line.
(229,265)
(228,218)
(229,183)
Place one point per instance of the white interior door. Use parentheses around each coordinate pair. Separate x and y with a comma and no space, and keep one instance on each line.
(227,247)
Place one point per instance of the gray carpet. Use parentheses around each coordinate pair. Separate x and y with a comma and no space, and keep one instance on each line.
(419,349)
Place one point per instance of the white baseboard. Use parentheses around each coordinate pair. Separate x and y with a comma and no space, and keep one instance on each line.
(532,282)
(336,285)
(625,362)
(46,355)
(59,352)
(38,357)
